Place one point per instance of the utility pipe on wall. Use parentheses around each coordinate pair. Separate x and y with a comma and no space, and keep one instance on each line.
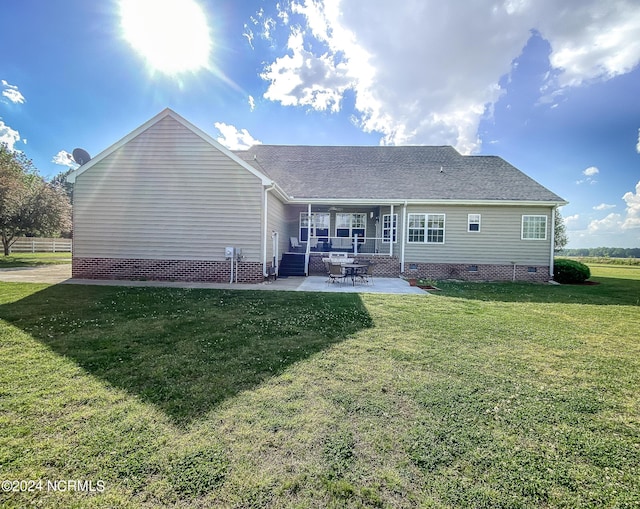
(274,238)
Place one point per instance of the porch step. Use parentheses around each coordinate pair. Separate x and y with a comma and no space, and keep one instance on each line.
(292,265)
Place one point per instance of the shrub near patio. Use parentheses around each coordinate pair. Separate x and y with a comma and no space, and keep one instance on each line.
(494,395)
(570,271)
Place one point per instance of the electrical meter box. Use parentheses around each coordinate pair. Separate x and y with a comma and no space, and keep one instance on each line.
(229,252)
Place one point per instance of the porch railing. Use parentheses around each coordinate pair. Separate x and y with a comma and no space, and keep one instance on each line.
(355,245)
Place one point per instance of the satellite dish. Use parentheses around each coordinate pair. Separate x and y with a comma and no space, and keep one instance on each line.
(81,156)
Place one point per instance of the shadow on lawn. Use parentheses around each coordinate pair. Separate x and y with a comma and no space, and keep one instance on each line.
(608,291)
(185,351)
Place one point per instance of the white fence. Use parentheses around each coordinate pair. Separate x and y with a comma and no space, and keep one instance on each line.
(41,245)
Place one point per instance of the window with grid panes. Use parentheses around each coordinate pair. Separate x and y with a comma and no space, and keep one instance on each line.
(534,227)
(389,228)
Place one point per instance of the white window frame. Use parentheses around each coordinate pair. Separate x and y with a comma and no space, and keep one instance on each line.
(423,225)
(314,224)
(357,221)
(430,228)
(389,228)
(415,224)
(536,217)
(474,219)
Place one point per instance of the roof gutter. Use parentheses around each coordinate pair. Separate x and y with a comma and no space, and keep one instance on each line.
(387,201)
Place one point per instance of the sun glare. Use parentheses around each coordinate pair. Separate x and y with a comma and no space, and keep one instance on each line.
(171,35)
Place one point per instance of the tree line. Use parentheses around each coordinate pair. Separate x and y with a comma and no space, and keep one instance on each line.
(29,205)
(603,252)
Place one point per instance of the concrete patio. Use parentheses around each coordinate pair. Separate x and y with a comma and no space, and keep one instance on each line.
(290,284)
(61,274)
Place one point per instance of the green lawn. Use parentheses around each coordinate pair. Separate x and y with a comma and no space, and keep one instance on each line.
(32,259)
(484,395)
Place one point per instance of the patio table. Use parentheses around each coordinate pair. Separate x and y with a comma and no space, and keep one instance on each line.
(351,270)
(337,259)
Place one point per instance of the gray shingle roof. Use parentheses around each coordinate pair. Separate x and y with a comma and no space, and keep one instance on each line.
(398,173)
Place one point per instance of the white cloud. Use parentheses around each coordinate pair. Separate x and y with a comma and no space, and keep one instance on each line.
(426,72)
(64,158)
(633,209)
(593,40)
(248,34)
(303,79)
(570,220)
(611,223)
(233,138)
(604,206)
(12,93)
(8,136)
(252,103)
(638,144)
(590,172)
(620,230)
(265,25)
(282,14)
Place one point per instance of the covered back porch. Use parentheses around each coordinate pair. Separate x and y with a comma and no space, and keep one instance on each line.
(363,231)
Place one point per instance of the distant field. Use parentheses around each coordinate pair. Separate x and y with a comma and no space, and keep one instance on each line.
(604,260)
(490,395)
(621,271)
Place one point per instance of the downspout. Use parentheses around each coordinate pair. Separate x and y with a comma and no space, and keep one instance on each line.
(308,249)
(404,235)
(553,241)
(265,272)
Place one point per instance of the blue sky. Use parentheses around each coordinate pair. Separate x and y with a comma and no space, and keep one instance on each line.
(555,90)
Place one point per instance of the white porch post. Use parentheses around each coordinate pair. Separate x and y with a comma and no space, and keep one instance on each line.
(308,249)
(391,233)
(265,272)
(404,235)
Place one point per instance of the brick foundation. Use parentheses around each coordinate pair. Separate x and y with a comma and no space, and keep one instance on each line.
(164,270)
(251,272)
(388,266)
(477,272)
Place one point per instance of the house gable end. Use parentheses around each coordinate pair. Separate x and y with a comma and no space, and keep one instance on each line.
(167,113)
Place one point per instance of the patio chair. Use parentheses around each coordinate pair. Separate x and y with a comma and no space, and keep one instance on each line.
(366,275)
(295,245)
(313,243)
(336,272)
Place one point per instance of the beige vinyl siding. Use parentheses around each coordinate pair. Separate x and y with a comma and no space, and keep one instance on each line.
(276,221)
(498,241)
(167,194)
